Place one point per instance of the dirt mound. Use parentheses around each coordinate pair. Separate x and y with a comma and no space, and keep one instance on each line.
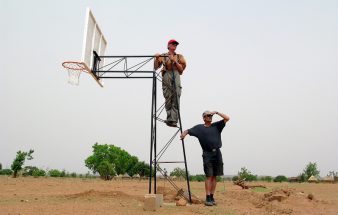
(277,201)
(170,195)
(278,194)
(271,201)
(102,194)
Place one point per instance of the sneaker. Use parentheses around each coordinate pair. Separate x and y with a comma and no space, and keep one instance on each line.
(213,202)
(208,203)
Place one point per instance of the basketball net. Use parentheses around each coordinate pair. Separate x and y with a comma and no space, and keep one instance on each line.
(74,71)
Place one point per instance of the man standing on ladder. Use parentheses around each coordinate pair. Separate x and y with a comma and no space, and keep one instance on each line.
(173,66)
(209,136)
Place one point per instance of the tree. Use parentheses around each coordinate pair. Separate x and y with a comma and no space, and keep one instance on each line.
(54,173)
(110,160)
(246,174)
(310,169)
(102,156)
(28,170)
(20,160)
(6,172)
(178,172)
(106,170)
(332,174)
(0,166)
(266,178)
(280,178)
(198,178)
(38,172)
(132,168)
(141,168)
(235,178)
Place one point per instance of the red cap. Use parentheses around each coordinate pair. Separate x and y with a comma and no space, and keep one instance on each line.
(173,42)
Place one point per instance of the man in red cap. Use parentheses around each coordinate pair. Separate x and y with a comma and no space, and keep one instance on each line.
(173,66)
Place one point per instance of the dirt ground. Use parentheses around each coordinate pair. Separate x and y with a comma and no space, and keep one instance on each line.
(28,195)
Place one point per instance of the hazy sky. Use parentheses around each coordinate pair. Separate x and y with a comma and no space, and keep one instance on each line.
(272,66)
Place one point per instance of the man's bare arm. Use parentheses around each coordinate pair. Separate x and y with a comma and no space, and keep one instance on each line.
(184,133)
(157,61)
(225,117)
(176,63)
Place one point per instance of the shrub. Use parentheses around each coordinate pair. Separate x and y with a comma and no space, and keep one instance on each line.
(246,174)
(198,178)
(235,178)
(63,173)
(28,170)
(54,173)
(73,175)
(178,172)
(280,178)
(39,172)
(6,172)
(266,178)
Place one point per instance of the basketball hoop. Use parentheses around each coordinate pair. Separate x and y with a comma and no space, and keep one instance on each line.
(74,71)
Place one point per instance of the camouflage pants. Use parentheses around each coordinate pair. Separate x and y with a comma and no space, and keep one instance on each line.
(169,93)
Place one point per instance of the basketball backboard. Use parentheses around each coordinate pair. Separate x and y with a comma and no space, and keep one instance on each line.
(93,40)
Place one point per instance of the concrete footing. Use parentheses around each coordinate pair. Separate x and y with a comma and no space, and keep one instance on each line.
(152,202)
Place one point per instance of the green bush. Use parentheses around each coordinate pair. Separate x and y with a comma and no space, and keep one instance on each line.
(198,178)
(6,172)
(63,173)
(246,174)
(266,178)
(235,178)
(73,175)
(280,178)
(39,172)
(28,170)
(54,173)
(178,172)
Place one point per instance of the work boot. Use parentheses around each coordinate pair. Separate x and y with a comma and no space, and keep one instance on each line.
(170,123)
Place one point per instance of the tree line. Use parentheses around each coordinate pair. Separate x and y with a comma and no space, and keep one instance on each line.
(108,161)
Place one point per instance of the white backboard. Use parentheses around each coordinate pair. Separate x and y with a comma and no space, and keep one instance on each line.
(93,40)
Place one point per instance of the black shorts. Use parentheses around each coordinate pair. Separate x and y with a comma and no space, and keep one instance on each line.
(213,163)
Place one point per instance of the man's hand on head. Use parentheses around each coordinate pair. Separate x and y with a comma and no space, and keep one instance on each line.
(214,112)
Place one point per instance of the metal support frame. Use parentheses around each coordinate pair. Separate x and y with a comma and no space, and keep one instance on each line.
(118,69)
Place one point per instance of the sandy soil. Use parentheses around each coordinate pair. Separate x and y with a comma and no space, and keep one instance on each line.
(28,195)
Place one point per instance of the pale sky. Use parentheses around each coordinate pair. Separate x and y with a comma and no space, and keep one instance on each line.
(270,65)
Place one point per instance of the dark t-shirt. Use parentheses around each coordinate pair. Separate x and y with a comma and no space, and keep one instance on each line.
(209,137)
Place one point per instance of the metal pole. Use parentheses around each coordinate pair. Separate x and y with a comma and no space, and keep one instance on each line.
(155,129)
(151,136)
(179,117)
